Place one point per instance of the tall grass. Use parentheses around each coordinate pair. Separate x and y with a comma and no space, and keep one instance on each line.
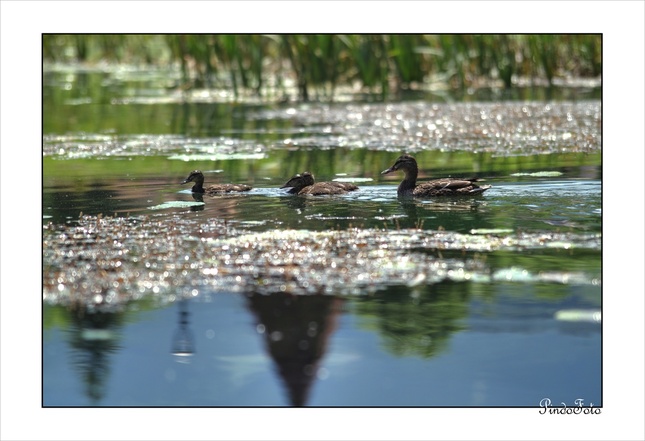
(319,64)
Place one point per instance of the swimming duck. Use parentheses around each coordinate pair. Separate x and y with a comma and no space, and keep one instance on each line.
(197,177)
(305,184)
(437,187)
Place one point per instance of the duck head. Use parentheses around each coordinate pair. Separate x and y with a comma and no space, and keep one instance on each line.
(299,181)
(194,176)
(406,163)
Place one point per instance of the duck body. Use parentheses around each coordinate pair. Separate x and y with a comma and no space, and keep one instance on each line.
(305,183)
(197,177)
(437,187)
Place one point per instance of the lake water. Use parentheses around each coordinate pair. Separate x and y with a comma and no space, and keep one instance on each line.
(152,297)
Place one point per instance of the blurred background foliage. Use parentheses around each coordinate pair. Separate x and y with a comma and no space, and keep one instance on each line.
(318,64)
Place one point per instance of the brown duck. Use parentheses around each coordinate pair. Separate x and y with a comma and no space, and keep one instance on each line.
(304,183)
(197,177)
(437,187)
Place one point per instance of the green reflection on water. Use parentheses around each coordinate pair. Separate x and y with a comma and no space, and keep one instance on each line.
(417,322)
(282,164)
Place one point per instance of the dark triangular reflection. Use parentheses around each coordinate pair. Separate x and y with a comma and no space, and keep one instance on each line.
(296,330)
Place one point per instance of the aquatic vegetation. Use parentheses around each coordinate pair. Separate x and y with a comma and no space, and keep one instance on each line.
(105,262)
(87,145)
(176,204)
(319,65)
(216,156)
(501,128)
(579,315)
(540,174)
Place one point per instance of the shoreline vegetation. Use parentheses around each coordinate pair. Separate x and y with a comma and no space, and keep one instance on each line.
(317,66)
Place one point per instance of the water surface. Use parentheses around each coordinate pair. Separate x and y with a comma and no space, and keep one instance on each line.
(155,297)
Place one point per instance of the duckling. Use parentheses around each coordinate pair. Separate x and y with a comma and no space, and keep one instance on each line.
(197,177)
(305,184)
(437,187)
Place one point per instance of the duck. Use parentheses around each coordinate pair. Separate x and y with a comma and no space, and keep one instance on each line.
(304,183)
(197,177)
(437,187)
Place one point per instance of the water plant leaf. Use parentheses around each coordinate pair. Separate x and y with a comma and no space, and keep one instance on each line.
(216,156)
(176,204)
(542,174)
(578,315)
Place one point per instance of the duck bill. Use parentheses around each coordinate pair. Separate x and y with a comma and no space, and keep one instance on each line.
(190,178)
(388,170)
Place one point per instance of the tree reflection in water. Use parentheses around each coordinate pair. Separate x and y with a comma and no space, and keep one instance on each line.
(416,321)
(94,337)
(296,331)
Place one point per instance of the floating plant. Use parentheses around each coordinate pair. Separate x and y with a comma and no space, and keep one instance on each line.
(107,262)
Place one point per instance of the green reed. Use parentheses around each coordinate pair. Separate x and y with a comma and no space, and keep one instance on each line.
(319,64)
